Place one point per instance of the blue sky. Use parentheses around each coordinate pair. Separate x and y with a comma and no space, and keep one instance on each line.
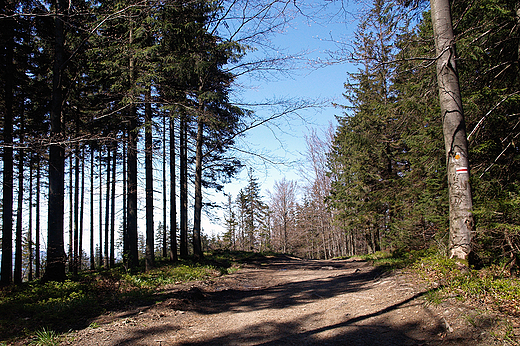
(283,141)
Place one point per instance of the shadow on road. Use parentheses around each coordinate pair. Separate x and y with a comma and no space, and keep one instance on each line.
(373,328)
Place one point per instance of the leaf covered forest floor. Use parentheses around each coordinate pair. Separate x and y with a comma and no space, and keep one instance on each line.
(261,300)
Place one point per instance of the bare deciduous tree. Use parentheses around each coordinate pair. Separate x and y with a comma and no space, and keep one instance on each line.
(283,208)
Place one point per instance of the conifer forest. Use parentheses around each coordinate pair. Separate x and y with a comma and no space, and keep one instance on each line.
(111,110)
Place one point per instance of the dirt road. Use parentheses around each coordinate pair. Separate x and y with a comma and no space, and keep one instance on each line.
(287,301)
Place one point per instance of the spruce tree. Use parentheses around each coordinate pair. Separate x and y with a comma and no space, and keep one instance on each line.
(366,161)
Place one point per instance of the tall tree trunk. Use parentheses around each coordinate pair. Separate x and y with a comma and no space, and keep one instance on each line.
(183,187)
(76,208)
(56,257)
(133,259)
(126,248)
(30,231)
(113,207)
(133,253)
(454,128)
(100,206)
(173,197)
(92,250)
(150,258)
(71,216)
(7,204)
(19,213)
(197,246)
(81,209)
(165,229)
(37,262)
(106,262)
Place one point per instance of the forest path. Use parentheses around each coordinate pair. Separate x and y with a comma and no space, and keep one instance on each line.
(288,301)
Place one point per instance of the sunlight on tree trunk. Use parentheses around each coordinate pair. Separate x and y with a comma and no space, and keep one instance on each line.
(456,145)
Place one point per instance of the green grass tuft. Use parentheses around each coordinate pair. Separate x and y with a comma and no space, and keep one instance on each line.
(46,337)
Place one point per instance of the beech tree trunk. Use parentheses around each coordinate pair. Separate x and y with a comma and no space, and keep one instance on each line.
(454,128)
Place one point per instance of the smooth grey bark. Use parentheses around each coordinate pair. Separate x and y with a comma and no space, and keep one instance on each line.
(454,128)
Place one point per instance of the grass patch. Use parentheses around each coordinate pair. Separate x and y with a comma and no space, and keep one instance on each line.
(433,297)
(39,311)
(229,257)
(30,307)
(490,286)
(396,259)
(46,337)
(167,275)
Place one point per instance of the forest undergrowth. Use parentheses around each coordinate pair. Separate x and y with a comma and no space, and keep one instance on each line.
(46,309)
(495,287)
